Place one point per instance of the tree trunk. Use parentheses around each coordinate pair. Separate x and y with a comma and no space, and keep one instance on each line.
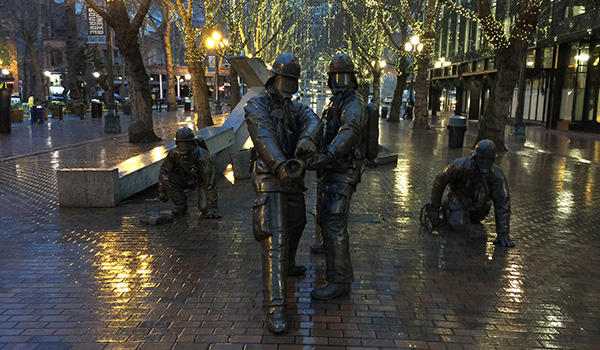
(141,128)
(235,88)
(171,84)
(39,78)
(377,87)
(363,90)
(396,107)
(200,94)
(496,113)
(71,35)
(420,109)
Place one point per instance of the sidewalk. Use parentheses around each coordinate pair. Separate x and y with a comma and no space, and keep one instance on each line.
(99,279)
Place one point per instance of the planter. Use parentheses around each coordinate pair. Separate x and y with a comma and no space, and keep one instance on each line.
(55,112)
(79,110)
(16,116)
(562,125)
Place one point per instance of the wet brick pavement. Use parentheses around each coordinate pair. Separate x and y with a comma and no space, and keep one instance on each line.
(98,279)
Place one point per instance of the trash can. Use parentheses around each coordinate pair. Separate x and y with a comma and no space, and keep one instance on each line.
(187,106)
(96,109)
(39,112)
(384,112)
(457,126)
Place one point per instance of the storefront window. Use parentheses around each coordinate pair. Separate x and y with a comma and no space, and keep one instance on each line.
(530,59)
(547,57)
(573,91)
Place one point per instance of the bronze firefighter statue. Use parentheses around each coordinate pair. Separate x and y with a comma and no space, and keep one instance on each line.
(339,164)
(474,183)
(285,135)
(190,166)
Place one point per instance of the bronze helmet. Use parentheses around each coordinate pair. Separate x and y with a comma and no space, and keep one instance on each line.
(341,63)
(486,149)
(287,65)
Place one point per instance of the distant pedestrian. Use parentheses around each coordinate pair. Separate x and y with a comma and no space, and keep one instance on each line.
(408,109)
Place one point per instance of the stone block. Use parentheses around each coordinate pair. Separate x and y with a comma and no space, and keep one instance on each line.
(87,187)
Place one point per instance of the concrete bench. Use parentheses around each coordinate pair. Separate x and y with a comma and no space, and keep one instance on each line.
(93,187)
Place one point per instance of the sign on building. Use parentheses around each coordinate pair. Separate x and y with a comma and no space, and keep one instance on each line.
(96,27)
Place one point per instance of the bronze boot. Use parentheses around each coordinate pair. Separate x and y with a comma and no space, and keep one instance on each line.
(331,291)
(276,322)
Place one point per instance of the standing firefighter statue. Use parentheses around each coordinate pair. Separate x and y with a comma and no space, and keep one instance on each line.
(339,165)
(473,183)
(285,135)
(187,167)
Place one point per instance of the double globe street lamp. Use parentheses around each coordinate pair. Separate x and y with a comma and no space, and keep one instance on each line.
(217,43)
(413,44)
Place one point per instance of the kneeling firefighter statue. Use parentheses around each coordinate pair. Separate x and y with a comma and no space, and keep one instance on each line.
(473,183)
(189,166)
(285,135)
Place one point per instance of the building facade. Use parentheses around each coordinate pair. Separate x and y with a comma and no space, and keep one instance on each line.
(562,74)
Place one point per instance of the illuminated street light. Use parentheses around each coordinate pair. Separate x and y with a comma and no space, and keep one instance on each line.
(410,46)
(217,42)
(188,76)
(47,73)
(96,75)
(415,40)
(5,71)
(382,63)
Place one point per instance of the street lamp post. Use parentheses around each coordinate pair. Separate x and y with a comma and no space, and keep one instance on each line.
(215,43)
(413,44)
(47,74)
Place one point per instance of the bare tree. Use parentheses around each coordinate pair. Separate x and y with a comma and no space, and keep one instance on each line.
(26,18)
(72,44)
(510,49)
(116,15)
(162,26)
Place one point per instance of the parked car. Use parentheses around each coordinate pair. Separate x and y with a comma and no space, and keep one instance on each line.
(118,97)
(15,98)
(59,97)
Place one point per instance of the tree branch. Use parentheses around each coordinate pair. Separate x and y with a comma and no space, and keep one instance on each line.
(139,16)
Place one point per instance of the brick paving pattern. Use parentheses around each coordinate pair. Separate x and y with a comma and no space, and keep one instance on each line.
(99,279)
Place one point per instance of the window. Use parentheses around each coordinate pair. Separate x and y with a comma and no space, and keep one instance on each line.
(573,92)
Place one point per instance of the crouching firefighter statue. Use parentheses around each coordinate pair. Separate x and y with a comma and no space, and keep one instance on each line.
(339,165)
(187,167)
(285,135)
(473,183)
